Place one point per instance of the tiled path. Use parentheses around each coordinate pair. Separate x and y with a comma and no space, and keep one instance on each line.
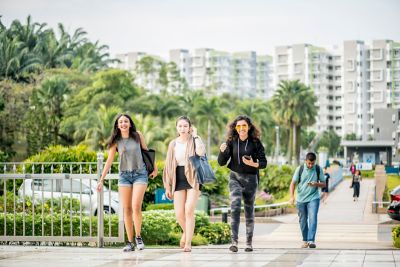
(207,257)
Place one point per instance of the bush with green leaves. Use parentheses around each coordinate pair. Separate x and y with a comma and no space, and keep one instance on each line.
(368,174)
(68,205)
(216,233)
(396,236)
(160,206)
(33,224)
(159,227)
(276,179)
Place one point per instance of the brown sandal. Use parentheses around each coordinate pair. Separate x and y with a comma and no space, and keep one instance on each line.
(187,250)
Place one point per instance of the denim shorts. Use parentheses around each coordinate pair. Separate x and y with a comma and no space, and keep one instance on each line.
(129,178)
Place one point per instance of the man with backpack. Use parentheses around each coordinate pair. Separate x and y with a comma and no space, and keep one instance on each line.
(308,177)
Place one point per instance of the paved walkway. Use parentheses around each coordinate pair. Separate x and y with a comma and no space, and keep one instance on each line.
(342,224)
(12,256)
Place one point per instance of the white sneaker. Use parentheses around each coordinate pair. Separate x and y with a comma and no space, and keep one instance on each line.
(129,247)
(139,242)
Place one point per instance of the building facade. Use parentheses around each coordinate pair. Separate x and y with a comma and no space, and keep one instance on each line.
(350,80)
(317,68)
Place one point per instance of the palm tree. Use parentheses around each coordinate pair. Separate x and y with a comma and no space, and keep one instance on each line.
(97,127)
(154,133)
(164,107)
(51,97)
(208,112)
(294,107)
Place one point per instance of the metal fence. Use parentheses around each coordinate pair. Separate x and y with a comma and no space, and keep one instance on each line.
(61,194)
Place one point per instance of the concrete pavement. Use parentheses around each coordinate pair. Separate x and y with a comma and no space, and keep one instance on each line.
(12,256)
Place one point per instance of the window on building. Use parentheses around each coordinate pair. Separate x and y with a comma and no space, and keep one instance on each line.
(350,66)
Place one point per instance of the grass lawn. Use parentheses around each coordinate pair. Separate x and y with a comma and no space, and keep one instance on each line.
(392,181)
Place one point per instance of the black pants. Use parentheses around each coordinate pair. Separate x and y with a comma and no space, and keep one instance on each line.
(356,188)
(242,186)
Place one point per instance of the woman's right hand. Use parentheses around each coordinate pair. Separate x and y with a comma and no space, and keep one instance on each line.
(223,146)
(168,194)
(99,186)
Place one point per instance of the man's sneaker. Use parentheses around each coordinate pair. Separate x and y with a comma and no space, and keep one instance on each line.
(312,245)
(249,248)
(129,247)
(234,246)
(305,245)
(139,243)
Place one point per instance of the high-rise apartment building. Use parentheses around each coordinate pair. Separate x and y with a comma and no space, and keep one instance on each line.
(264,76)
(128,60)
(145,79)
(355,93)
(244,74)
(371,78)
(316,68)
(181,58)
(350,80)
(384,76)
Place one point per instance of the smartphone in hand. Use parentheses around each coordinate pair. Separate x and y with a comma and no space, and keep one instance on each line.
(247,157)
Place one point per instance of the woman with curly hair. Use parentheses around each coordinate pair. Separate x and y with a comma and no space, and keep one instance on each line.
(245,153)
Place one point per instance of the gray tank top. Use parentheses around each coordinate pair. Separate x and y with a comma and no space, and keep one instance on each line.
(130,155)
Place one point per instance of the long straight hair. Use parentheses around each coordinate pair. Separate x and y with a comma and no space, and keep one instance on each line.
(116,133)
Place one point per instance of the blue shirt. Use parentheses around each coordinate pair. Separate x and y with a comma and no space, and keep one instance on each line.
(306,193)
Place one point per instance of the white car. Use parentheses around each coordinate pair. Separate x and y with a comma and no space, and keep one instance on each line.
(89,192)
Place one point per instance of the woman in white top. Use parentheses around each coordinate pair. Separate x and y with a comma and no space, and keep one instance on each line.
(179,177)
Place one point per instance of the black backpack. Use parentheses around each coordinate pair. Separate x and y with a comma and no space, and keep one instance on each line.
(317,169)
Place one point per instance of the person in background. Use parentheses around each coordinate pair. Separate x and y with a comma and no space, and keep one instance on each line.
(325,190)
(356,185)
(308,182)
(353,168)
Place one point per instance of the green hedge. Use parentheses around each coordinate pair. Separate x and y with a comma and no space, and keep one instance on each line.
(396,236)
(159,227)
(276,180)
(368,174)
(161,206)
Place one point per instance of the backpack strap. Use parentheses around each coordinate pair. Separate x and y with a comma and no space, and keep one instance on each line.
(300,172)
(317,169)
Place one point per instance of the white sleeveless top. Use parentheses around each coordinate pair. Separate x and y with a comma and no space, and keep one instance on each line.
(180,150)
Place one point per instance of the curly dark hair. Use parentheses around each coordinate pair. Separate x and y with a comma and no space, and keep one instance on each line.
(116,133)
(254,133)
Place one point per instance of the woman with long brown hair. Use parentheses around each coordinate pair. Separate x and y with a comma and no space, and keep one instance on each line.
(179,177)
(133,176)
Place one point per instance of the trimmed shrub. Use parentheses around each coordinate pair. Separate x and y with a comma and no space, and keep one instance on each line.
(158,228)
(160,206)
(396,236)
(216,233)
(276,180)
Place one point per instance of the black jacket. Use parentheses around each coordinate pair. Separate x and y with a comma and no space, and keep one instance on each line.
(253,148)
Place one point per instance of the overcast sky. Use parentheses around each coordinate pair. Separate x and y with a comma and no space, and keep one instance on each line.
(156,26)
